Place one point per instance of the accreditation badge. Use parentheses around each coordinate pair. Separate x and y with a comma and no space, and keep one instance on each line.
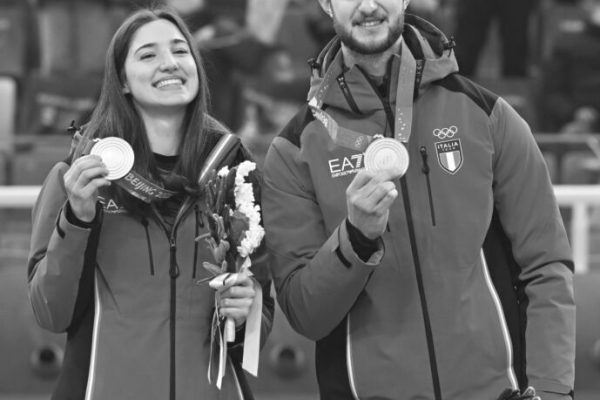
(116,154)
(387,154)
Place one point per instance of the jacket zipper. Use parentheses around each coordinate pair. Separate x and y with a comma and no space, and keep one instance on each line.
(419,276)
(341,80)
(199,224)
(416,261)
(425,169)
(173,273)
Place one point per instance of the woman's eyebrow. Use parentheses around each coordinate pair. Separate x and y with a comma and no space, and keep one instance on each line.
(154,44)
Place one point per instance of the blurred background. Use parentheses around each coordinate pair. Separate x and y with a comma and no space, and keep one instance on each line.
(542,56)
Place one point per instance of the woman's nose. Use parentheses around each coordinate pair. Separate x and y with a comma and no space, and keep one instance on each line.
(168,63)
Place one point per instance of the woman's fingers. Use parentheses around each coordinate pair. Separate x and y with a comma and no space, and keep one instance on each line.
(82,181)
(235,301)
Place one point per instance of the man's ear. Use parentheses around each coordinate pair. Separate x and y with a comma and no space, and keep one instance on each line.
(326,6)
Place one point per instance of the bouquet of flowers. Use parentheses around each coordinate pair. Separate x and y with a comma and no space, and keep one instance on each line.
(234,234)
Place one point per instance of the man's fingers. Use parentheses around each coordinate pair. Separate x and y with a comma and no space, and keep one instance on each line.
(386,201)
(361,179)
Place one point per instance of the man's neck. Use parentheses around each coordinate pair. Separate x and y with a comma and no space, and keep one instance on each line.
(373,64)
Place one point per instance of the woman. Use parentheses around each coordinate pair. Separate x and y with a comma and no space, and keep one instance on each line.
(119,275)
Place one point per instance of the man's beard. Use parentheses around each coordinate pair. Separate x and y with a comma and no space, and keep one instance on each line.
(394,33)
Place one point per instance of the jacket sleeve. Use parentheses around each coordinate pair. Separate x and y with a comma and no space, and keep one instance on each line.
(529,214)
(56,256)
(317,278)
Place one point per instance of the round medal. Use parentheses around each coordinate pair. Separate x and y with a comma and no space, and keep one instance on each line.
(387,154)
(116,154)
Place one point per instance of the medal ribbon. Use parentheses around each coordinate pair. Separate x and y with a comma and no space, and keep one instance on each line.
(341,136)
(133,183)
(405,95)
(404,106)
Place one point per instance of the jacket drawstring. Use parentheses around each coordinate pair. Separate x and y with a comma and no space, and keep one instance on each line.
(149,242)
(341,80)
(425,169)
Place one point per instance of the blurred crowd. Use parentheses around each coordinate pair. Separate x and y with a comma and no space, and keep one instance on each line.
(547,51)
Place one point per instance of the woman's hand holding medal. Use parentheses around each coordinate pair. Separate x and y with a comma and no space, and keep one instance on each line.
(110,159)
(368,199)
(82,181)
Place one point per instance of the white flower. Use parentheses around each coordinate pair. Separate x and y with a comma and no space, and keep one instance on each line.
(223,171)
(245,203)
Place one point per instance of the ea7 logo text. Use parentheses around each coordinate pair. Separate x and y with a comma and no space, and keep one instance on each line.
(346,165)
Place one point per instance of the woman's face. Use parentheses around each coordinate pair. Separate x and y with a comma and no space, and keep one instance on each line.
(160,71)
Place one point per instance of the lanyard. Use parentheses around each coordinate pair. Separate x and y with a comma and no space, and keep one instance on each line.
(403,113)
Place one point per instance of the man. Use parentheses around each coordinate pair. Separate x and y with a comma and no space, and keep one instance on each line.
(453,281)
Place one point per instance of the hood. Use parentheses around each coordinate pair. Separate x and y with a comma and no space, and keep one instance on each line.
(426,42)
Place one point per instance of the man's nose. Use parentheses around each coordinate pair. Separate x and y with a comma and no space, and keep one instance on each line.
(367,6)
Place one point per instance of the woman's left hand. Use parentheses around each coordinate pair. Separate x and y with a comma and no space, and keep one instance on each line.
(236,298)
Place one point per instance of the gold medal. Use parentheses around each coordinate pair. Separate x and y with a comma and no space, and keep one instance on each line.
(116,154)
(387,154)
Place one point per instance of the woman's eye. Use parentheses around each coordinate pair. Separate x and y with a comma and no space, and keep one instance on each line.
(146,56)
(181,51)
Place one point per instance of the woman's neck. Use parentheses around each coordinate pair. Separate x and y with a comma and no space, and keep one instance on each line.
(164,132)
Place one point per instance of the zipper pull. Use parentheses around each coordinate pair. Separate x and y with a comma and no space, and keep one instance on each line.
(174,268)
(424,157)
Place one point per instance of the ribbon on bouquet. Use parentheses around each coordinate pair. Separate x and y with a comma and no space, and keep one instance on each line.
(219,340)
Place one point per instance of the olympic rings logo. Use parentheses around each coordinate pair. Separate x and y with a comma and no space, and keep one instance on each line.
(445,133)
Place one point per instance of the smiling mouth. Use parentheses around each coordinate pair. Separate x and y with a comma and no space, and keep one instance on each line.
(369,23)
(169,82)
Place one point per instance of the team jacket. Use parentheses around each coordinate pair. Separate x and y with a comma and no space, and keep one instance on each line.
(125,291)
(472,291)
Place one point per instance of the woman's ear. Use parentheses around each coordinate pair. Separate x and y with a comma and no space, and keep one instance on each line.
(126,88)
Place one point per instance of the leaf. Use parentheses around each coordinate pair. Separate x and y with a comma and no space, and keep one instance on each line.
(221,231)
(230,187)
(238,225)
(213,226)
(220,251)
(212,268)
(210,195)
(220,202)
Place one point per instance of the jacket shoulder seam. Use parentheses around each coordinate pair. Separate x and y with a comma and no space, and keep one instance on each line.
(482,97)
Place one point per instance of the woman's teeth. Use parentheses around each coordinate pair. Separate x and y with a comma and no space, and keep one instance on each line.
(169,82)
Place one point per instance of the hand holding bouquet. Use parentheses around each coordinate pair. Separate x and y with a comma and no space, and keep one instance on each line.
(234,234)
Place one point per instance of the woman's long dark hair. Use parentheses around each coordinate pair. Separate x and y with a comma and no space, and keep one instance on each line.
(115,114)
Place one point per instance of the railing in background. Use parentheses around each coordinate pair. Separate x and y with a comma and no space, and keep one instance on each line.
(581,199)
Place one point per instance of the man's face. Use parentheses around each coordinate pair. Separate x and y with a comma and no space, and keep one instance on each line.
(368,26)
